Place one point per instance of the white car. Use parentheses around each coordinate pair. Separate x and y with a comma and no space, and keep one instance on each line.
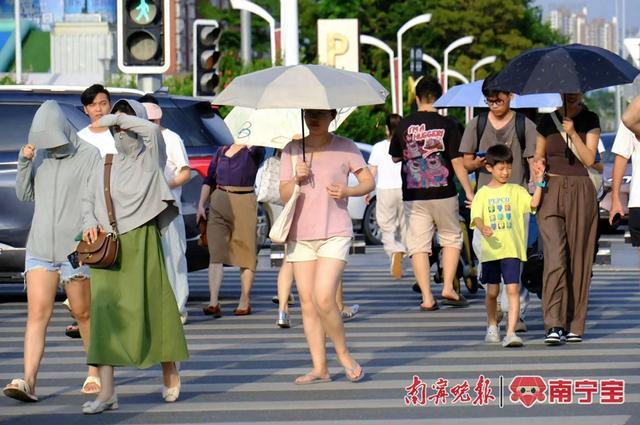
(362,215)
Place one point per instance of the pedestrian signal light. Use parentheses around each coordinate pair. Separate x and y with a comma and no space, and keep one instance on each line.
(206,57)
(144,29)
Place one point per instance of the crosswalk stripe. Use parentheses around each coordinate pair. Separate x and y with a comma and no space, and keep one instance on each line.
(243,368)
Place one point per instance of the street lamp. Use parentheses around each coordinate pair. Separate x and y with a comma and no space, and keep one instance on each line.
(482,62)
(459,42)
(258,10)
(372,41)
(434,63)
(420,19)
(459,76)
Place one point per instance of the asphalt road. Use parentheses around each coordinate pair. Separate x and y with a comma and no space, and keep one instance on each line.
(241,369)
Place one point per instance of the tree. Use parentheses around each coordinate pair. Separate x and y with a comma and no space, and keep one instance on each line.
(504,28)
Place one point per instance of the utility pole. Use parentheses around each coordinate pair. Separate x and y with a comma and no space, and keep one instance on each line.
(289,31)
(245,37)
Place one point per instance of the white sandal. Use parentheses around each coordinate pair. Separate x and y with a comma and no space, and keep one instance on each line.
(91,380)
(21,391)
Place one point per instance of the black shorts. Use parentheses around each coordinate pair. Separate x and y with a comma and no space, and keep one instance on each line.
(634,226)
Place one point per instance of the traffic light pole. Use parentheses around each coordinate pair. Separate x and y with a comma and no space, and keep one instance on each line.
(149,83)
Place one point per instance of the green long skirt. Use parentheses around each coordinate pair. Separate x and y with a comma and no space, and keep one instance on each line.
(134,316)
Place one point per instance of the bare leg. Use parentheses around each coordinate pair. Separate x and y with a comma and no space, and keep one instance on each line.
(491,301)
(450,259)
(340,297)
(246,281)
(79,293)
(41,294)
(420,262)
(170,375)
(216,272)
(285,280)
(304,273)
(513,292)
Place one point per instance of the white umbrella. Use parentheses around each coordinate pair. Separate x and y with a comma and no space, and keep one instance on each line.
(272,128)
(465,95)
(302,87)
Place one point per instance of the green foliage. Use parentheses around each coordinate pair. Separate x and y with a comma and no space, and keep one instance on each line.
(7,80)
(36,52)
(504,28)
(181,85)
(123,80)
(603,102)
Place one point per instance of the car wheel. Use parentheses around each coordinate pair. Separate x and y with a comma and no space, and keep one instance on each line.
(263,226)
(370,228)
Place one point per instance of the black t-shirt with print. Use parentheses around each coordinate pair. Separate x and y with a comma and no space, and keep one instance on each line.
(426,142)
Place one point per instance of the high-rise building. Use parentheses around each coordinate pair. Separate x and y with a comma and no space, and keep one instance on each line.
(576,26)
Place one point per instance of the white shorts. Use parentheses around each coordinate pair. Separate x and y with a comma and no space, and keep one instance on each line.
(335,247)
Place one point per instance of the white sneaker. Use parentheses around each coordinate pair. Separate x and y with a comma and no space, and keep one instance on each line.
(512,340)
(493,335)
(521,326)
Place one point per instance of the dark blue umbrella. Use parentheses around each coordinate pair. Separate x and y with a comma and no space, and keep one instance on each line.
(574,68)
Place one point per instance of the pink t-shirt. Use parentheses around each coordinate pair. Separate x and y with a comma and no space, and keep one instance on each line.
(318,216)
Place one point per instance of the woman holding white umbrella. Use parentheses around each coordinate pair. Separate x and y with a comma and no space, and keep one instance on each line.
(320,235)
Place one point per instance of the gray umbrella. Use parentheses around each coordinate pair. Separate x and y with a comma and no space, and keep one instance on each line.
(303,87)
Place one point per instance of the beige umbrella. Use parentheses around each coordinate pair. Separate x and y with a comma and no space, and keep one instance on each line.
(302,87)
(272,128)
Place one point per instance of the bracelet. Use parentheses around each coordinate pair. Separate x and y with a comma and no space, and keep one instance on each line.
(541,184)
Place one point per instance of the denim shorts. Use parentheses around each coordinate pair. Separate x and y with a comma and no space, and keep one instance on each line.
(65,269)
(508,268)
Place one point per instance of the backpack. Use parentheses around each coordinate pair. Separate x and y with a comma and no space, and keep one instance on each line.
(521,128)
(532,270)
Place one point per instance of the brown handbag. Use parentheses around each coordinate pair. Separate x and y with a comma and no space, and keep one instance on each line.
(103,252)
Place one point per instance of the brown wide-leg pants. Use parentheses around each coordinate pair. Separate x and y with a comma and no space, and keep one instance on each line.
(567,219)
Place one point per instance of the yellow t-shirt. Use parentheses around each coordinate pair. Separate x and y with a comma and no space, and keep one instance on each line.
(503,209)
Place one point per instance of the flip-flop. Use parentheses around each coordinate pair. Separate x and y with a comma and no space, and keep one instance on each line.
(461,302)
(312,379)
(72,331)
(91,380)
(351,370)
(434,307)
(22,392)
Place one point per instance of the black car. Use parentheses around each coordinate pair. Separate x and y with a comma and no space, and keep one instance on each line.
(200,127)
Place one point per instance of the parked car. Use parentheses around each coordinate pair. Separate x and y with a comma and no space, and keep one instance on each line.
(608,158)
(201,129)
(363,215)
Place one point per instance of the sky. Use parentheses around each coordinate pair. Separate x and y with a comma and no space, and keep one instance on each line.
(599,9)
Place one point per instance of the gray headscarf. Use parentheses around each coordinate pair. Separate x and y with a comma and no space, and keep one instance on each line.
(138,188)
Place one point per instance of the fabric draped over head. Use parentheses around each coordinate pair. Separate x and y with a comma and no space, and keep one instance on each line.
(51,130)
(139,190)
(127,142)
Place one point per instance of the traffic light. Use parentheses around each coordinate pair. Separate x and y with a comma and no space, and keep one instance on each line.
(206,55)
(144,29)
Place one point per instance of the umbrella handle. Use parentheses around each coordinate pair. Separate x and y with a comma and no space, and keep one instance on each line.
(304,159)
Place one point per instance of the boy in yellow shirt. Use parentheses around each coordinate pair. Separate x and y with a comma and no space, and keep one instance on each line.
(498,211)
